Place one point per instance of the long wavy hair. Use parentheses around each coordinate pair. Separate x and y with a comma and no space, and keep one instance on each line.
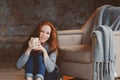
(52,41)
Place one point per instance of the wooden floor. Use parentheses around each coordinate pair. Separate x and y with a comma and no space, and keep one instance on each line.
(11,74)
(8,72)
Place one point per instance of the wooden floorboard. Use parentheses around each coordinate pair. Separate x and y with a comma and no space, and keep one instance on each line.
(11,74)
(8,72)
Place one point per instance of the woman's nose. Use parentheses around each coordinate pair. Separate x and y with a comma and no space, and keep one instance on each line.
(44,34)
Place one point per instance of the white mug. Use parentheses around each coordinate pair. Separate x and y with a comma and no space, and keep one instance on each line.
(36,42)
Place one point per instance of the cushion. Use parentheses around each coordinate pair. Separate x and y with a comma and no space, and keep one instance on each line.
(77,53)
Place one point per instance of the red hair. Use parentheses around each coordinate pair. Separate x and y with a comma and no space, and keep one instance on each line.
(52,41)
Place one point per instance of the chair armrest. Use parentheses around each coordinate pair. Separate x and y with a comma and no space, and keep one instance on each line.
(116,33)
(65,32)
(117,52)
(69,37)
(116,37)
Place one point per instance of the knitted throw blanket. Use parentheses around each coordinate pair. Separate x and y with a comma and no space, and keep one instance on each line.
(104,54)
(104,15)
(102,22)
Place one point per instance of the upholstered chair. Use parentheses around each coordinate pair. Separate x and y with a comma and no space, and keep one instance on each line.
(76,55)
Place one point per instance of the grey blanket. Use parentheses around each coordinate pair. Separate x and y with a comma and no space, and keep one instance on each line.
(104,54)
(104,15)
(103,21)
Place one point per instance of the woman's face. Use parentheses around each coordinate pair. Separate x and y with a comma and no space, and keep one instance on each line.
(44,34)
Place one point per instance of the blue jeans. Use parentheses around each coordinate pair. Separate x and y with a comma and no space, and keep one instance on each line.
(35,65)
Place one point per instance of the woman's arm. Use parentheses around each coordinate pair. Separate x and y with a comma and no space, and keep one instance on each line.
(23,59)
(50,61)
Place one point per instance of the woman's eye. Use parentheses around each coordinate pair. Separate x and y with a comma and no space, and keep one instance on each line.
(48,33)
(41,31)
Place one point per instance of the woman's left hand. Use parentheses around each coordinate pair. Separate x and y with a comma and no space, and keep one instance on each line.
(40,48)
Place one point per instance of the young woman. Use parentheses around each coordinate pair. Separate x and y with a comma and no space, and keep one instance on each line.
(39,59)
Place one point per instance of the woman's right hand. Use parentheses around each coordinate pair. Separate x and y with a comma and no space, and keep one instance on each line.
(30,46)
(31,43)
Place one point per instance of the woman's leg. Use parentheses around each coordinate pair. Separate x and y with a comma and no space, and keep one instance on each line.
(29,68)
(40,67)
(53,75)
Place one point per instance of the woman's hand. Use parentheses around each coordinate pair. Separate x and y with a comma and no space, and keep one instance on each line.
(31,43)
(30,46)
(40,48)
(35,45)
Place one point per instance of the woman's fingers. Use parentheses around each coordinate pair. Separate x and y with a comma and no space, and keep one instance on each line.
(34,43)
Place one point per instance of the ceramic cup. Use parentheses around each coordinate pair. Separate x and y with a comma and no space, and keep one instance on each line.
(36,42)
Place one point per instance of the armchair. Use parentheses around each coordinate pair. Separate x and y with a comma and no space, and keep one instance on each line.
(77,46)
(75,57)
